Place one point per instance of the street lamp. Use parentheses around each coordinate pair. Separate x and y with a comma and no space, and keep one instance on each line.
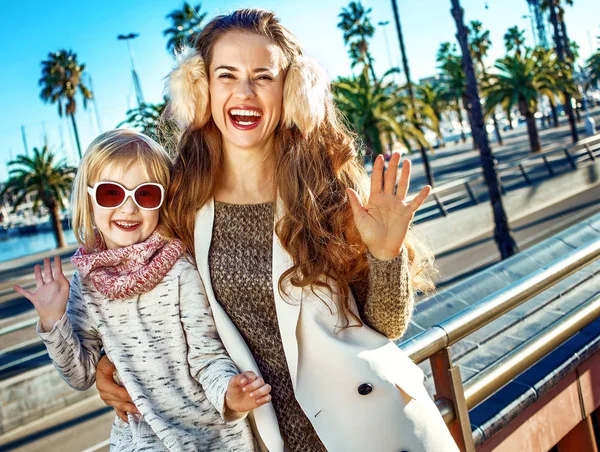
(136,80)
(387,45)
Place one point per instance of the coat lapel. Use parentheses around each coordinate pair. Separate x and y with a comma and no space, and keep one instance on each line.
(287,304)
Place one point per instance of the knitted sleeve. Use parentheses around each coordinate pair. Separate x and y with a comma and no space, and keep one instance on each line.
(209,363)
(74,344)
(384,298)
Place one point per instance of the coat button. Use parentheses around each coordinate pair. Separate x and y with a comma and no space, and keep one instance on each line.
(365,389)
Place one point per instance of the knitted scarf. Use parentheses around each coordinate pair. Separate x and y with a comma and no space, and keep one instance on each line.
(131,270)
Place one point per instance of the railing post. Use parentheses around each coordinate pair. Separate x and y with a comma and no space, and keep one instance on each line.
(580,439)
(570,158)
(525,175)
(471,192)
(547,163)
(448,385)
(590,153)
(440,204)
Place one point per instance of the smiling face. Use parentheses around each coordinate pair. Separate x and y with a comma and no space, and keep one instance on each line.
(246,89)
(127,224)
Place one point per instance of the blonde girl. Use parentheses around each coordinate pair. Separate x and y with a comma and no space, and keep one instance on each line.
(135,296)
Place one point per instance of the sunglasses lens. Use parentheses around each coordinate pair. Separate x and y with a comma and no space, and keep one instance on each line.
(109,195)
(148,196)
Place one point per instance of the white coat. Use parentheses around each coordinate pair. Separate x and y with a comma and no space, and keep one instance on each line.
(328,366)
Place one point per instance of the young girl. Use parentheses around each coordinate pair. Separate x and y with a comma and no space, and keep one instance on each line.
(136,296)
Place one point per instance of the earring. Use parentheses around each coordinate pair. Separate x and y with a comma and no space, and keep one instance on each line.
(187,85)
(305,92)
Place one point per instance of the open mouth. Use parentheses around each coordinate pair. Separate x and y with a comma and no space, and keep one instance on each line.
(127,225)
(244,118)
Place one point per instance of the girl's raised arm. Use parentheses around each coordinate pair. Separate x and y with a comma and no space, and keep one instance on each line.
(72,341)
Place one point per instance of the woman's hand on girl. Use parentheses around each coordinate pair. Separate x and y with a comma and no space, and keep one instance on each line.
(384,221)
(111,393)
(51,294)
(246,392)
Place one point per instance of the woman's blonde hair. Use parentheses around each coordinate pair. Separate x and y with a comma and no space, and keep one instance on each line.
(126,147)
(315,159)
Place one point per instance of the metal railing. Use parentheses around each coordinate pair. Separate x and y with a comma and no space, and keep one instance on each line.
(454,399)
(471,189)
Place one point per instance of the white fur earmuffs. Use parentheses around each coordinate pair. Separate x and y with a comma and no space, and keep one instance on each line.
(304,95)
(187,85)
(305,92)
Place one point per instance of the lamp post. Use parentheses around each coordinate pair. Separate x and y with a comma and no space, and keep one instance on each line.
(136,80)
(383,24)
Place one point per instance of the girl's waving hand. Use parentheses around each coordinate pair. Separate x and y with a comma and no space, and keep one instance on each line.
(51,294)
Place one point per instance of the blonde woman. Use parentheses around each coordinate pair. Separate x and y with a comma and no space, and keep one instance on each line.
(307,273)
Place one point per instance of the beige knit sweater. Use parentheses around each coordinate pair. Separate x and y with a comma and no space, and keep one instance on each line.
(240,261)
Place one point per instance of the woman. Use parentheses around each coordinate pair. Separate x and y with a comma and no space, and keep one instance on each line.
(267,196)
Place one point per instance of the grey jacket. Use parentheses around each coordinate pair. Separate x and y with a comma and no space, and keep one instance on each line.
(169,357)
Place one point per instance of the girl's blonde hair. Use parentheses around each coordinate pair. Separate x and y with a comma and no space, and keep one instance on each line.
(125,147)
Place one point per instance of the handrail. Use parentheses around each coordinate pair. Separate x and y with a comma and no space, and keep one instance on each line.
(426,344)
(485,383)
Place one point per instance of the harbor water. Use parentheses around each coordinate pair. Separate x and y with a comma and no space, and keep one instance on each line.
(15,246)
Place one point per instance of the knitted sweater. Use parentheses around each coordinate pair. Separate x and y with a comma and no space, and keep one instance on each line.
(168,355)
(240,261)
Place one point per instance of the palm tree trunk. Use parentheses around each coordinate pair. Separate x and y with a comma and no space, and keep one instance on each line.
(72,115)
(509,117)
(502,234)
(534,139)
(371,68)
(467,107)
(497,129)
(560,51)
(494,120)
(57,228)
(411,94)
(439,130)
(569,53)
(554,114)
(461,122)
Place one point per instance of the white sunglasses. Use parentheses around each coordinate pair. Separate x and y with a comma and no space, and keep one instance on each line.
(111,195)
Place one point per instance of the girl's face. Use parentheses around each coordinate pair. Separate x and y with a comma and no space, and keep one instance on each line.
(246,89)
(127,224)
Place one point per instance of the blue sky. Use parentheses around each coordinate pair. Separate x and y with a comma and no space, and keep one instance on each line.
(30,30)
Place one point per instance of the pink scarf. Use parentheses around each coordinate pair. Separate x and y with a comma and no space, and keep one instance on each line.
(131,270)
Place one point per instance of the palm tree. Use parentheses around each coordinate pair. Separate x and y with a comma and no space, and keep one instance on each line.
(521,80)
(47,181)
(561,41)
(372,109)
(358,29)
(435,98)
(149,119)
(61,80)
(145,118)
(411,95)
(506,243)
(453,81)
(186,23)
(547,62)
(514,39)
(480,44)
(593,67)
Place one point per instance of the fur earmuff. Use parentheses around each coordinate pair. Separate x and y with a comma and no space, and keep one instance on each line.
(304,95)
(187,85)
